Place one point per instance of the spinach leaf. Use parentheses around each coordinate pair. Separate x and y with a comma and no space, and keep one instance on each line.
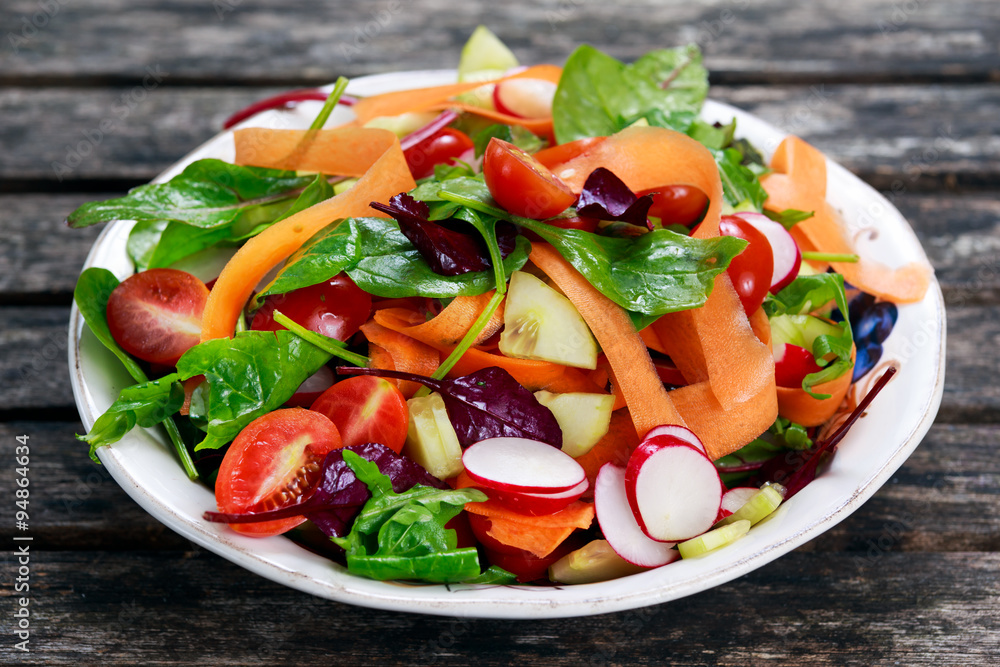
(804,295)
(382,261)
(596,92)
(513,134)
(789,217)
(711,136)
(741,187)
(489,403)
(248,376)
(208,193)
(656,273)
(403,535)
(146,405)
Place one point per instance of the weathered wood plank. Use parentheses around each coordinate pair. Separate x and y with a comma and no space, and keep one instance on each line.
(41,258)
(945,498)
(33,367)
(96,41)
(903,138)
(818,609)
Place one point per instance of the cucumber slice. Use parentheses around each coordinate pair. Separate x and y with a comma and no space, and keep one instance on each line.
(584,418)
(596,561)
(430,439)
(484,57)
(760,505)
(713,539)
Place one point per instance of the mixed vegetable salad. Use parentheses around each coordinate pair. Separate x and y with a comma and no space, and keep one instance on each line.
(541,324)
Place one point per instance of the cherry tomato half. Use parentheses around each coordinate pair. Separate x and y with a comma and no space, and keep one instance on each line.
(336,308)
(792,364)
(677,204)
(274,462)
(366,409)
(752,269)
(439,148)
(155,315)
(523,185)
(526,565)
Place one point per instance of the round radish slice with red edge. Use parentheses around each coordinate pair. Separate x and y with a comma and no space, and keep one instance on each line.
(787,256)
(524,98)
(537,504)
(733,499)
(673,489)
(522,465)
(673,430)
(619,525)
(155,315)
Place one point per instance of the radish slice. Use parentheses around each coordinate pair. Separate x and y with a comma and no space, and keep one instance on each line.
(619,526)
(522,465)
(787,257)
(537,504)
(675,431)
(736,498)
(673,489)
(524,98)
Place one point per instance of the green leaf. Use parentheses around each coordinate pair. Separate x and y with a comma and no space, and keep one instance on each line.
(248,376)
(208,193)
(382,261)
(656,273)
(146,405)
(493,575)
(740,185)
(93,289)
(715,138)
(789,217)
(403,535)
(597,91)
(514,134)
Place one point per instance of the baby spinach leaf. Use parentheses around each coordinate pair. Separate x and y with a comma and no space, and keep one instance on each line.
(740,185)
(656,273)
(403,535)
(512,134)
(146,405)
(248,376)
(606,197)
(382,261)
(91,294)
(489,403)
(597,91)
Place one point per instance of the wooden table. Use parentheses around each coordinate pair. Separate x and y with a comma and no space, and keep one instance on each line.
(97,96)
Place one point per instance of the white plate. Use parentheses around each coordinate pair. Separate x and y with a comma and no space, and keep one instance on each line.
(145,466)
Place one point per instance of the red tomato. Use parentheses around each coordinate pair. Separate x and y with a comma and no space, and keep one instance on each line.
(752,269)
(794,364)
(677,204)
(526,565)
(480,526)
(273,463)
(521,184)
(556,155)
(439,148)
(336,308)
(366,409)
(155,315)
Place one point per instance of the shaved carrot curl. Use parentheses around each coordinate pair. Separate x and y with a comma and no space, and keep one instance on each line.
(798,181)
(387,176)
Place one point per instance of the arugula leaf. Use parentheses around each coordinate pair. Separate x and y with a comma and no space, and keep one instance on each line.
(597,92)
(382,261)
(658,272)
(146,405)
(248,376)
(403,536)
(804,295)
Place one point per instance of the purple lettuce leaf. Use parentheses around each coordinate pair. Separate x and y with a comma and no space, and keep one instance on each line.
(606,197)
(489,403)
(340,495)
(451,247)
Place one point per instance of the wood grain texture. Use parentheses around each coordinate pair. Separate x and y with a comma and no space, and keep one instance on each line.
(191,607)
(298,42)
(902,139)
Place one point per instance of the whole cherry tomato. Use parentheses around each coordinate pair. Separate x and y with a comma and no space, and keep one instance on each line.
(752,269)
